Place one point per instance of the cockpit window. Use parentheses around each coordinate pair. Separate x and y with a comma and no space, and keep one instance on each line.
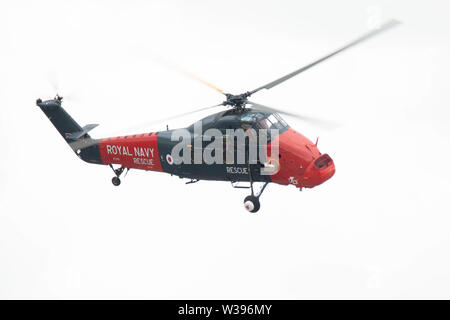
(262,120)
(274,121)
(264,124)
(249,117)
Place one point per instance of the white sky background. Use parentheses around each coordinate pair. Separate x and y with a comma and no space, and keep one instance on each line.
(377,229)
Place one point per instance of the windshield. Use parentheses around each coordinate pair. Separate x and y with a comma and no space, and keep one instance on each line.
(274,121)
(263,120)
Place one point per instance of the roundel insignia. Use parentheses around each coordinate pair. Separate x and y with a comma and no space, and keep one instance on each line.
(276,165)
(271,167)
(169,159)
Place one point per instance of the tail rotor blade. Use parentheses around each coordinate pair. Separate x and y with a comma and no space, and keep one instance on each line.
(53,81)
(58,87)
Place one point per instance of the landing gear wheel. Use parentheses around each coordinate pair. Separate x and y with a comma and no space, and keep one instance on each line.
(115,181)
(251,204)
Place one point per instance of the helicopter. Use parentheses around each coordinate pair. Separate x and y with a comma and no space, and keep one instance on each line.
(285,157)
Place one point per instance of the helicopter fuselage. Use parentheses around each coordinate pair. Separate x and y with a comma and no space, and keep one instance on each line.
(299,161)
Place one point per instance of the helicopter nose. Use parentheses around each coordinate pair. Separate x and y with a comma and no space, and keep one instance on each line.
(319,171)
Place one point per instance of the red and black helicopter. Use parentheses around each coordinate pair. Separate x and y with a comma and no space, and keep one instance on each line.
(299,162)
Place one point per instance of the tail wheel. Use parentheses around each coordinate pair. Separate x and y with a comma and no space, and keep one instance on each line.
(115,181)
(251,204)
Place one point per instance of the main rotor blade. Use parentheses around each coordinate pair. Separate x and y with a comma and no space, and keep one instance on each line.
(148,123)
(187,73)
(81,144)
(312,120)
(383,27)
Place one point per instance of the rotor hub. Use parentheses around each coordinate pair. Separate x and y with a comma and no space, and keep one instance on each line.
(237,101)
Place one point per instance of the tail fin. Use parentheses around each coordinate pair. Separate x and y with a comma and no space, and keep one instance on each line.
(75,135)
